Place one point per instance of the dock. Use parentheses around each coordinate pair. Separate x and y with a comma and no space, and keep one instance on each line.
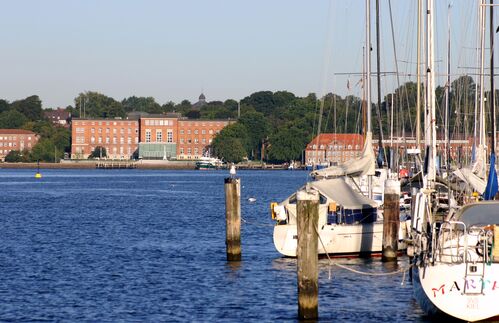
(116,165)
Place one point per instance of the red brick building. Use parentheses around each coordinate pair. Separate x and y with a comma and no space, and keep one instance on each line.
(334,148)
(158,137)
(16,139)
(195,135)
(119,137)
(58,117)
(150,137)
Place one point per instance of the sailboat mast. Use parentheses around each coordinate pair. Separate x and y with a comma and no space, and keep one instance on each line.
(378,64)
(447,98)
(431,132)
(475,116)
(492,88)
(418,99)
(368,64)
(368,86)
(482,61)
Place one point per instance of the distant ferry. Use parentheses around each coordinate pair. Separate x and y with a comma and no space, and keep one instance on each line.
(205,163)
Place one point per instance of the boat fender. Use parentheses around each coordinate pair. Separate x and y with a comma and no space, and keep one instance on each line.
(272,210)
(332,207)
(278,212)
(495,247)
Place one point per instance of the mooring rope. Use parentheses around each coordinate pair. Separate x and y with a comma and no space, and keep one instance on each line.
(331,263)
(256,223)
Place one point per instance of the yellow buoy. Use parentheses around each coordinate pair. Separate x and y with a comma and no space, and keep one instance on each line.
(38,175)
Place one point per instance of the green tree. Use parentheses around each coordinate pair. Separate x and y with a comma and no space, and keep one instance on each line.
(193,114)
(31,107)
(12,119)
(262,101)
(287,144)
(145,104)
(232,143)
(15,156)
(258,129)
(229,149)
(99,152)
(44,151)
(97,105)
(4,105)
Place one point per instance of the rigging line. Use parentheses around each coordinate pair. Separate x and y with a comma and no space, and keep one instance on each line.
(378,63)
(327,54)
(394,52)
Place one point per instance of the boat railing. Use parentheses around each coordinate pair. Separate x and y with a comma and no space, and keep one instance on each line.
(449,241)
(455,243)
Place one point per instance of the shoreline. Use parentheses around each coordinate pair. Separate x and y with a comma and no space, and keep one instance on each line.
(153,165)
(93,165)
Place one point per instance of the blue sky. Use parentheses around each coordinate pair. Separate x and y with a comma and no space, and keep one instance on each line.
(174,50)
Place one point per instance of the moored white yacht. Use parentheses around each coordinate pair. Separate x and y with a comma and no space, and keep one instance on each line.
(456,254)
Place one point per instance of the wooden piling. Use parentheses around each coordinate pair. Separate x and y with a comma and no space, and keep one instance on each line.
(391,220)
(307,256)
(233,218)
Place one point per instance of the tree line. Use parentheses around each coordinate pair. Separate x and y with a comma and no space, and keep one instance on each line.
(272,126)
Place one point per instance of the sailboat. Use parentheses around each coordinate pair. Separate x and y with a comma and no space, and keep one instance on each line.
(456,254)
(350,222)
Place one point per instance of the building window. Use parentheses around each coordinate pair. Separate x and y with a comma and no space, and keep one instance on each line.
(107,140)
(195,151)
(129,140)
(188,151)
(204,140)
(181,132)
(196,140)
(92,130)
(203,132)
(122,140)
(181,151)
(210,132)
(159,136)
(92,140)
(100,140)
(115,141)
(182,140)
(196,132)
(169,136)
(115,130)
(148,135)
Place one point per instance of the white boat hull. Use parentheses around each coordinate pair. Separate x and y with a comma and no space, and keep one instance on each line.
(471,298)
(338,239)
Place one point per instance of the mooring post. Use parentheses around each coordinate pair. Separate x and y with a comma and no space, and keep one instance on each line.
(391,220)
(307,256)
(233,218)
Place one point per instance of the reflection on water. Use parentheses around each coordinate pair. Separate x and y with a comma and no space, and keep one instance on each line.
(132,245)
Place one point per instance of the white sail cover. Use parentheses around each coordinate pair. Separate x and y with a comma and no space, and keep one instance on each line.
(479,165)
(467,176)
(364,165)
(337,190)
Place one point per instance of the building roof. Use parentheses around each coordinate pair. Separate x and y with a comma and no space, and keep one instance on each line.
(59,114)
(16,132)
(200,103)
(328,138)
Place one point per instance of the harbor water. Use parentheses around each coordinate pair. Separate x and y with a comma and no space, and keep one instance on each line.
(143,245)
